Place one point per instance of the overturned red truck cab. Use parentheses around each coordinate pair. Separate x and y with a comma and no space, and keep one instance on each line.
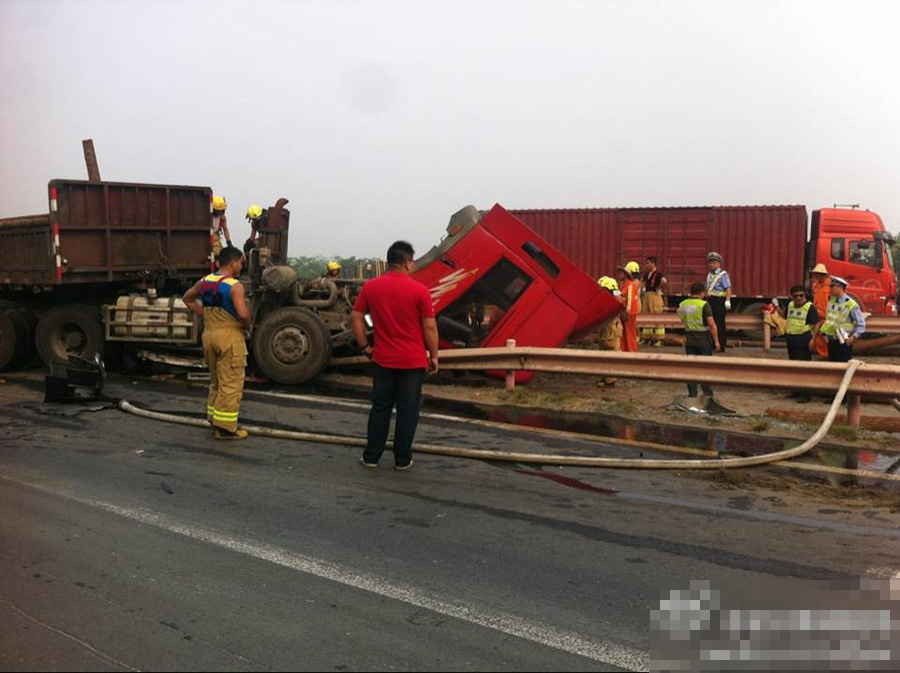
(492,279)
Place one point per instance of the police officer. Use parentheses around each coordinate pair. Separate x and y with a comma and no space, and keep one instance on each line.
(844,323)
(718,290)
(219,299)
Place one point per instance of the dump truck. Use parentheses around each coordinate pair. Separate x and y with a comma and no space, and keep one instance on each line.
(767,249)
(109,262)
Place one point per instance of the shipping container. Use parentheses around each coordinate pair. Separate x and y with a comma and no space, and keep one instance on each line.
(764,246)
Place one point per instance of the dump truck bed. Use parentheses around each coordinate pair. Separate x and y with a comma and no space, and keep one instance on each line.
(99,232)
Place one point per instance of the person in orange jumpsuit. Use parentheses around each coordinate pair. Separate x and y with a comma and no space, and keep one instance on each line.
(631,297)
(821,293)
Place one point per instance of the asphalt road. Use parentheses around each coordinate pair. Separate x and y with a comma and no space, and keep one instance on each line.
(127,543)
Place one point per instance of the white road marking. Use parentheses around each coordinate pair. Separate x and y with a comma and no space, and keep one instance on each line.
(570,642)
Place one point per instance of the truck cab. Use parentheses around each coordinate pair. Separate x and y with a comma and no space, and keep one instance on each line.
(492,279)
(854,245)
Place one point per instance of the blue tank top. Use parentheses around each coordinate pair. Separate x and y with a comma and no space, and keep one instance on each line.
(215,292)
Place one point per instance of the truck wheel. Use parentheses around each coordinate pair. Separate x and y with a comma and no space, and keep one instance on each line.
(26,325)
(10,339)
(70,329)
(290,345)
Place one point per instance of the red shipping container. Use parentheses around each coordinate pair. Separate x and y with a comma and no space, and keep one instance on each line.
(764,247)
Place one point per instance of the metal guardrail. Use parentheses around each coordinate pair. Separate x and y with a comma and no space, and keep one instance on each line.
(871,380)
(881,324)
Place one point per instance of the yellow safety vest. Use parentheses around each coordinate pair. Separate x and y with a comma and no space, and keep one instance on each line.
(796,319)
(839,316)
(691,313)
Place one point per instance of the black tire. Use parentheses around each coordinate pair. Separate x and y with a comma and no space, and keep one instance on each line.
(26,326)
(28,322)
(70,329)
(290,345)
(9,340)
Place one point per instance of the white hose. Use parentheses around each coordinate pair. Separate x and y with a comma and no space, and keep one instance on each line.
(543,459)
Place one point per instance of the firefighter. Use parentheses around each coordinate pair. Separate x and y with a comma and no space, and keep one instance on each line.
(653,286)
(631,297)
(610,336)
(334,269)
(219,298)
(718,291)
(843,323)
(219,225)
(701,335)
(255,216)
(821,293)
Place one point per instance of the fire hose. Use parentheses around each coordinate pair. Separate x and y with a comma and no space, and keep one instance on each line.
(542,459)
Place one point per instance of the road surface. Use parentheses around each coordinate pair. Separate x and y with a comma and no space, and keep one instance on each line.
(131,544)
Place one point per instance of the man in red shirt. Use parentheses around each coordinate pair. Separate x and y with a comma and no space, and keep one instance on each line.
(403,327)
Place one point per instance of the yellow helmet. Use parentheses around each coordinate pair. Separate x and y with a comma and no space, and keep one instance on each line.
(254,212)
(219,203)
(608,283)
(633,267)
(334,266)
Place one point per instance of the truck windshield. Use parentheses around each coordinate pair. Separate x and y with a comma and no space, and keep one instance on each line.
(865,252)
(469,319)
(890,257)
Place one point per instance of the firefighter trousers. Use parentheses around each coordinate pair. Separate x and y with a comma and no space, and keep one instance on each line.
(226,356)
(652,303)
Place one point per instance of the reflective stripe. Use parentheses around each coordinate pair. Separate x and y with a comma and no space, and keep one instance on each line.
(796,319)
(691,313)
(712,282)
(219,416)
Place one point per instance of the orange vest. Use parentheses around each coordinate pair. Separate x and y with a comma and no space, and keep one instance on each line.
(821,295)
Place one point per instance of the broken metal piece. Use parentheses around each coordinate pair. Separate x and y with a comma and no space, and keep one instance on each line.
(66,380)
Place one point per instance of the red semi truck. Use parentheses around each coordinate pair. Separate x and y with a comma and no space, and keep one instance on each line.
(492,278)
(766,248)
(109,261)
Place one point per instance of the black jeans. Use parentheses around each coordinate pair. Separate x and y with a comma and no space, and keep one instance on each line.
(838,352)
(402,387)
(798,346)
(717,304)
(699,350)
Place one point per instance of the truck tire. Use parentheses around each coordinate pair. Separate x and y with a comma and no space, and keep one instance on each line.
(70,329)
(290,345)
(10,340)
(26,326)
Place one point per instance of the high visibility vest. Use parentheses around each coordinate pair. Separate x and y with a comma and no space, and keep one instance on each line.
(796,319)
(691,313)
(712,282)
(839,316)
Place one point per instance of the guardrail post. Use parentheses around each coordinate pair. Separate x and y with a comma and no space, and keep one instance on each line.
(767,337)
(510,373)
(854,410)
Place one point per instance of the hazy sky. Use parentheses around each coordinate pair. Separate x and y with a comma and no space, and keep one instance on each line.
(378,120)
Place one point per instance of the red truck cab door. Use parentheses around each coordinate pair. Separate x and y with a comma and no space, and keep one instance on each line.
(854,245)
